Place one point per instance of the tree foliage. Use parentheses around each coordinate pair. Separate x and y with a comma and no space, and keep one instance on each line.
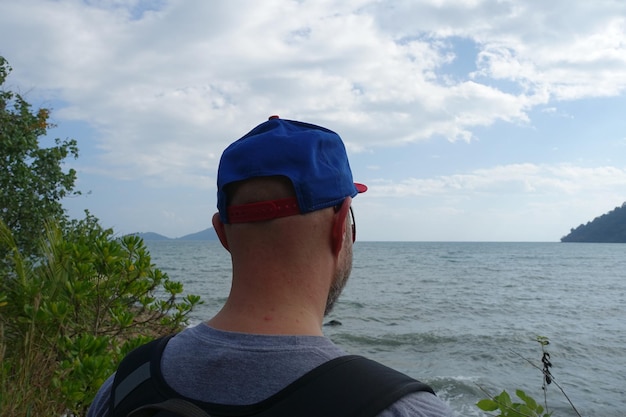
(73,298)
(32,179)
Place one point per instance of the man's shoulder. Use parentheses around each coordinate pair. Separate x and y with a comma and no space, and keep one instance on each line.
(100,405)
(415,404)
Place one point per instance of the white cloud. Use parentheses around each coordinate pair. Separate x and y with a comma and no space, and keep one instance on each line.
(203,75)
(525,178)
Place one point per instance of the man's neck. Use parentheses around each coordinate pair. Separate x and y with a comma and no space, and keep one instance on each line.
(259,319)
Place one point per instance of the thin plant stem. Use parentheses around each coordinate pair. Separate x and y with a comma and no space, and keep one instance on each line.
(555,383)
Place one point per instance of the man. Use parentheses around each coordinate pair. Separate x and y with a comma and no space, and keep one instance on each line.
(283,198)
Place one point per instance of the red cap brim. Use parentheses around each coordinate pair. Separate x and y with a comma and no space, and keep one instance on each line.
(361,188)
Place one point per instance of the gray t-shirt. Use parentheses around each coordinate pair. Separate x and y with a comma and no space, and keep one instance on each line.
(237,369)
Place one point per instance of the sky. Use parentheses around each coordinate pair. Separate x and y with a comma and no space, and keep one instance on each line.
(469,120)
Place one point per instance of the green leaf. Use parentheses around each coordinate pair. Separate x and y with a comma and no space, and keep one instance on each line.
(530,401)
(526,411)
(487,405)
(504,399)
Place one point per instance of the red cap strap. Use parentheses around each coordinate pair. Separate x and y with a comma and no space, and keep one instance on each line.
(263,210)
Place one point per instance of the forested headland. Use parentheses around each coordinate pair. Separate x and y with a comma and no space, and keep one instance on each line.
(607,228)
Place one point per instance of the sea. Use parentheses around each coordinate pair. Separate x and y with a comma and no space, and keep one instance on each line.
(465,317)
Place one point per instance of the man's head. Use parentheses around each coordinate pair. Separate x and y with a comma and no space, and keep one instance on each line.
(298,172)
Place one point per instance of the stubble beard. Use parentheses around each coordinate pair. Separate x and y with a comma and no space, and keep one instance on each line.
(339,280)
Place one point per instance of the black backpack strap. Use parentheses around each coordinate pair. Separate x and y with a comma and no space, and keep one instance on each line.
(177,406)
(348,386)
(133,384)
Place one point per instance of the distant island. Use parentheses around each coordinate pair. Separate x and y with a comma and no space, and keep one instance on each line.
(608,228)
(206,234)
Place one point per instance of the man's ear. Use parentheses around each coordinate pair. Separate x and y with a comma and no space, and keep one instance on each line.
(220,230)
(340,224)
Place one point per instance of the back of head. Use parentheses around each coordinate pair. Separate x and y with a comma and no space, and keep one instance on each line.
(296,240)
(283,168)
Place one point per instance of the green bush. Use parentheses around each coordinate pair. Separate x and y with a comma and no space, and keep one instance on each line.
(503,404)
(69,316)
(506,407)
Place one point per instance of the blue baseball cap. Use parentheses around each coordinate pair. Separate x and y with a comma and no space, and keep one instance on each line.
(312,157)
